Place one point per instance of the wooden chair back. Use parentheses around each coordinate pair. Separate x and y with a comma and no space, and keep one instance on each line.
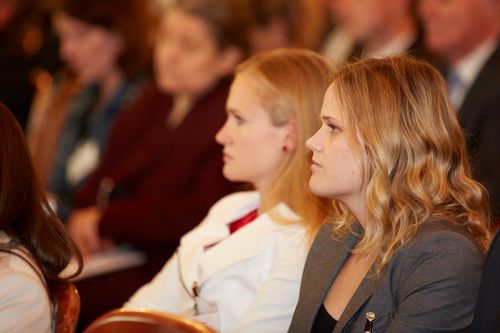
(67,308)
(144,321)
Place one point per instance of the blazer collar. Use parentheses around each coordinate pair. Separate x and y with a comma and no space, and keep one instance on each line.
(215,231)
(324,261)
(330,256)
(201,251)
(362,294)
(365,290)
(244,244)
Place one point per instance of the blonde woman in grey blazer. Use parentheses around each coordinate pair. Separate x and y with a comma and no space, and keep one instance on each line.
(404,251)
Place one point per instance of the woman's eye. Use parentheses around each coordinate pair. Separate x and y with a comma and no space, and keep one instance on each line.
(188,45)
(239,119)
(333,127)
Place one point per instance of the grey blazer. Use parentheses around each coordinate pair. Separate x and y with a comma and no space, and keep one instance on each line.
(430,285)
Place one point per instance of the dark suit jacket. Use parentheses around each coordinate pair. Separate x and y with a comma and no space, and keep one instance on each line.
(430,285)
(479,116)
(487,315)
(164,180)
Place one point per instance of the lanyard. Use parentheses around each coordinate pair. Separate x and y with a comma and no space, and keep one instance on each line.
(194,292)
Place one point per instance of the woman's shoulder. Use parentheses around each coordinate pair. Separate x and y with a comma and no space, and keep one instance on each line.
(16,273)
(148,99)
(440,246)
(131,90)
(441,233)
(16,259)
(20,264)
(23,295)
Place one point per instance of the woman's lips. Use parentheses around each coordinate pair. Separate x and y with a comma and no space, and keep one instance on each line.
(226,157)
(315,165)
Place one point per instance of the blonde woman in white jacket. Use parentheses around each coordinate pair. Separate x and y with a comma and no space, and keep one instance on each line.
(240,269)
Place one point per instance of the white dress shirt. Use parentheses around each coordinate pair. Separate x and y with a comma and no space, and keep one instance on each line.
(467,69)
(251,278)
(398,45)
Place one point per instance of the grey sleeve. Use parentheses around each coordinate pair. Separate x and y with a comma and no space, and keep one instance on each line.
(437,288)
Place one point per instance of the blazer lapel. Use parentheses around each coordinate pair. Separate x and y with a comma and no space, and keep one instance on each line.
(364,291)
(242,245)
(324,261)
(192,247)
(211,242)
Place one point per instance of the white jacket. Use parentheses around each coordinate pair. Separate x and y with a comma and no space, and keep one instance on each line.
(24,303)
(252,276)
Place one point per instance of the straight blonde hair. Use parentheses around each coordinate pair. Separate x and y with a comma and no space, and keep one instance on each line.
(292,83)
(418,169)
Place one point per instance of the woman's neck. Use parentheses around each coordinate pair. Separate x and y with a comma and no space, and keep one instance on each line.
(110,84)
(182,104)
(263,189)
(358,209)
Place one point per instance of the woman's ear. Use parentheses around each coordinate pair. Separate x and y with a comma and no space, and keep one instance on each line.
(291,135)
(230,57)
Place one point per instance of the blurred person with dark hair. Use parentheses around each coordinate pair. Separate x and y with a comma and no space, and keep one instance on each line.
(162,168)
(106,47)
(287,23)
(34,245)
(464,33)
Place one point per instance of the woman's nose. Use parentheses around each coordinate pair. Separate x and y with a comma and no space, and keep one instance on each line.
(313,143)
(222,136)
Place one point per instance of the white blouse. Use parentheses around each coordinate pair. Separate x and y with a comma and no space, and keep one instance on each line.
(24,302)
(249,280)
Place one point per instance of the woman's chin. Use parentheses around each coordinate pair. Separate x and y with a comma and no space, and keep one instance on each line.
(232,176)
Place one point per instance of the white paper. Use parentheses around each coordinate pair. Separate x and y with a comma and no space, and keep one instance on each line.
(117,258)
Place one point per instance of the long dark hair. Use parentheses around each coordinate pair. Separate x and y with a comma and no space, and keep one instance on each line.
(25,214)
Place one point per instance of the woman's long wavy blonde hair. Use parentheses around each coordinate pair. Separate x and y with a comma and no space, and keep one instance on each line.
(418,169)
(292,83)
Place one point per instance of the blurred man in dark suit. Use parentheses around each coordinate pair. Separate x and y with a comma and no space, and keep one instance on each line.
(465,35)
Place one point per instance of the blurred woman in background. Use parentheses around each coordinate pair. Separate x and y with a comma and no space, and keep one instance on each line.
(162,169)
(287,23)
(106,47)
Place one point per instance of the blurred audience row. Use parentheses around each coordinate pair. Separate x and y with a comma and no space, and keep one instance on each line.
(121,124)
